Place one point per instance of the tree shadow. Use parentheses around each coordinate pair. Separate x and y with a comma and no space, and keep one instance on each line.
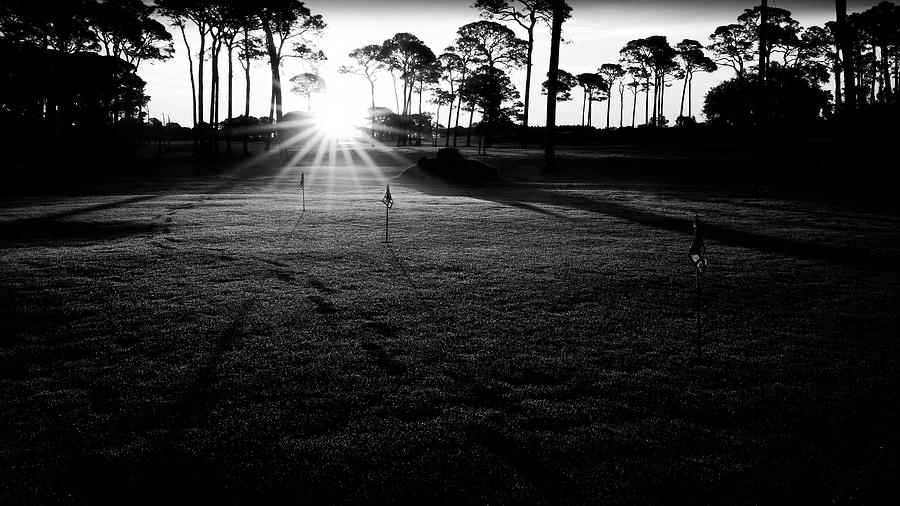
(64,231)
(529,197)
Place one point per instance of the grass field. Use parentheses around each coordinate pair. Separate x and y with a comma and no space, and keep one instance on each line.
(174,336)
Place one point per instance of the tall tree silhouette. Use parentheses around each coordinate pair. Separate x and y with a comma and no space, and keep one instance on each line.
(66,27)
(366,63)
(634,86)
(690,53)
(845,41)
(595,88)
(284,21)
(732,46)
(561,11)
(232,26)
(611,74)
(622,86)
(779,34)
(879,28)
(467,50)
(251,48)
(441,97)
(409,57)
(495,45)
(526,14)
(452,70)
(565,82)
(406,54)
(662,63)
(638,56)
(217,16)
(583,81)
(195,11)
(488,88)
(426,76)
(829,38)
(306,84)
(127,30)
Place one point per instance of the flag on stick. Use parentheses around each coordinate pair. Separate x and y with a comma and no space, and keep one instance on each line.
(303,193)
(388,202)
(697,254)
(697,251)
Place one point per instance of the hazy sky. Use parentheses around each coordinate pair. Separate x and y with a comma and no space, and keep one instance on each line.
(596,31)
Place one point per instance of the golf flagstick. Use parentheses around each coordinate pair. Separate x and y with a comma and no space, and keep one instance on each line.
(388,202)
(697,254)
(303,193)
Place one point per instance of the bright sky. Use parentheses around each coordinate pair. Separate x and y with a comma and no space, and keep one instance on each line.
(596,32)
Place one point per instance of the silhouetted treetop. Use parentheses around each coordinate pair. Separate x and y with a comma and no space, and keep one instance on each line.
(494,44)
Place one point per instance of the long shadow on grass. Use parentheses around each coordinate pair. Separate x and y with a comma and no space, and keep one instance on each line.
(55,226)
(200,395)
(527,197)
(69,231)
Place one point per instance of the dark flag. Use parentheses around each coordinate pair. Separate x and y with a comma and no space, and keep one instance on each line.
(387,200)
(301,181)
(698,249)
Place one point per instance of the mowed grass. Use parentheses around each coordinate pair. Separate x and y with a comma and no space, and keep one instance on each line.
(525,343)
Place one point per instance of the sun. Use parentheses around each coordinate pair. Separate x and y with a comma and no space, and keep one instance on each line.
(336,119)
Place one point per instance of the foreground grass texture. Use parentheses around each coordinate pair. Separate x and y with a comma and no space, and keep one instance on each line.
(529,343)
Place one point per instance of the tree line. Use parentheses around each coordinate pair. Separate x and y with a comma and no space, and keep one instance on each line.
(859,53)
(71,71)
(779,67)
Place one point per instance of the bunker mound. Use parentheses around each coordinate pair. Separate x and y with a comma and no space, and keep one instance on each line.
(449,166)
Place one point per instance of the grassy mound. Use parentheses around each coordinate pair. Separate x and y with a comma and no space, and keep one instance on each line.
(449,166)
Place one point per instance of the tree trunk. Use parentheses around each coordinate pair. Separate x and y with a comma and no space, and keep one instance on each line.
(690,93)
(528,66)
(214,74)
(272,102)
(763,42)
(621,104)
(608,107)
(590,116)
(847,51)
(449,118)
(584,109)
(896,75)
(469,131)
(372,111)
(214,91)
(246,148)
(634,109)
(396,98)
(456,123)
(191,71)
(683,93)
(647,101)
(462,82)
(552,85)
(838,99)
(662,100)
(873,70)
(230,97)
(193,87)
(200,74)
(419,121)
(887,93)
(275,67)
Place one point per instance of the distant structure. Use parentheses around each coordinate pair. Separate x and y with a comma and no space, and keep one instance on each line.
(295,129)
